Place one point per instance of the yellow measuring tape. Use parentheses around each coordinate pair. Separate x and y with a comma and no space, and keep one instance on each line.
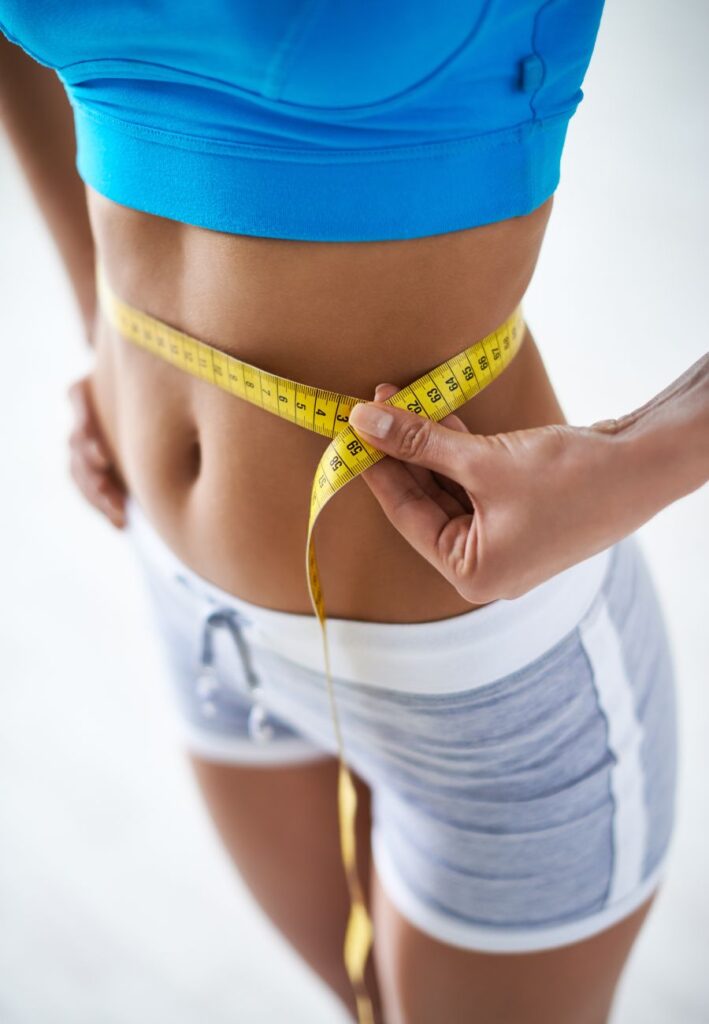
(434,395)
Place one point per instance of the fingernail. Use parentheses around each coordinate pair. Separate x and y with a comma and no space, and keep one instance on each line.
(371,420)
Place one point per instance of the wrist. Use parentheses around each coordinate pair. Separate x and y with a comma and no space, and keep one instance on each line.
(614,483)
(660,452)
(638,470)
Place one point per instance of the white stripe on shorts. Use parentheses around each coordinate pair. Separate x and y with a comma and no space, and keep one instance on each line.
(615,698)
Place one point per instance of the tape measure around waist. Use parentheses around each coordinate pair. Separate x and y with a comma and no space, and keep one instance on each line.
(434,395)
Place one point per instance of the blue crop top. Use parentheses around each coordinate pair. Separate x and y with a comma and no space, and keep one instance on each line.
(331,120)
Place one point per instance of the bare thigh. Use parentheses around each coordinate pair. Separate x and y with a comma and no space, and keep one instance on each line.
(424,981)
(279,825)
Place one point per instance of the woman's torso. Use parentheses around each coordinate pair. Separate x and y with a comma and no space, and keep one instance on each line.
(227,484)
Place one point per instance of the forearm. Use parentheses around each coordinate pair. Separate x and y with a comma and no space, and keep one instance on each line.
(661,450)
(37,116)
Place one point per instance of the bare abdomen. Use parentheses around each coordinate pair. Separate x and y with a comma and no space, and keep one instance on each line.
(227,484)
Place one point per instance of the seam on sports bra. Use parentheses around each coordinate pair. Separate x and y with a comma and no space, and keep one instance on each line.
(279,67)
(499,137)
(539,55)
(71,73)
(410,90)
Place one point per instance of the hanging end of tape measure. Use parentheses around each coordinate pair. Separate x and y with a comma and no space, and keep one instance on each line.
(358,941)
(365,1013)
(359,933)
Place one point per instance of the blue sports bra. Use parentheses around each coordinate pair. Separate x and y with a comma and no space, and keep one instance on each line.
(331,120)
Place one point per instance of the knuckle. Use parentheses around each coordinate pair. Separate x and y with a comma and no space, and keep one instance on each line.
(415,439)
(96,452)
(456,551)
(478,578)
(610,426)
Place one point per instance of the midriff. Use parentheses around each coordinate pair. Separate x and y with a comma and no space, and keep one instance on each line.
(226,484)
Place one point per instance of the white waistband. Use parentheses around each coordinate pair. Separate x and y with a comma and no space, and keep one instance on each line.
(441,656)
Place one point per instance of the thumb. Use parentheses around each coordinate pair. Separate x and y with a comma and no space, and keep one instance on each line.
(384,391)
(415,439)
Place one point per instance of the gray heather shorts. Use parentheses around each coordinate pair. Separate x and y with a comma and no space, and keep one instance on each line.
(521,756)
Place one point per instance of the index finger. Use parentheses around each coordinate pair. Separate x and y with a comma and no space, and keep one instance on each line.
(418,517)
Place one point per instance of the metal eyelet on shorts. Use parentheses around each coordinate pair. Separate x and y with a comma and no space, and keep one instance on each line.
(208,684)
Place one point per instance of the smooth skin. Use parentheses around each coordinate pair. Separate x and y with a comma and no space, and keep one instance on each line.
(498,515)
(194,457)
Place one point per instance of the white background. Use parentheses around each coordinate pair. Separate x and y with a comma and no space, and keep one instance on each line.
(116,903)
